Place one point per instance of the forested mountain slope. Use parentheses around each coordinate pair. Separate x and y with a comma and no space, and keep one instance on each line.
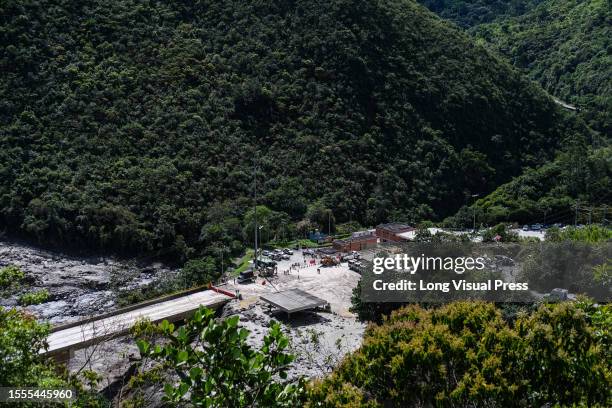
(132,125)
(565,45)
(470,13)
(575,187)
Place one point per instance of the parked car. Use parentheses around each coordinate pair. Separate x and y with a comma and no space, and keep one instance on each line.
(286,257)
(356,266)
(536,227)
(525,227)
(288,251)
(266,253)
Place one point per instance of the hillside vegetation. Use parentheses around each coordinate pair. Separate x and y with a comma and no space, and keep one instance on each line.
(132,125)
(470,13)
(565,46)
(580,176)
(466,355)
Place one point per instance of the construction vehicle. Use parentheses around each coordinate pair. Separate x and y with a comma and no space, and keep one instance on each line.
(329,261)
(247,276)
(268,271)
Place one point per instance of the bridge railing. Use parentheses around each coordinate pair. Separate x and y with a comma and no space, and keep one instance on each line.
(133,307)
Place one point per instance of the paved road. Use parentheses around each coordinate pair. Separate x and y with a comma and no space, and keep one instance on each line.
(533,234)
(175,309)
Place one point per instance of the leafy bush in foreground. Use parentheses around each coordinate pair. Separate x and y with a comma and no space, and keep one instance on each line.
(217,368)
(465,354)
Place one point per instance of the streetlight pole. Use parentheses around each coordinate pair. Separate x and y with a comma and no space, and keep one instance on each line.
(576,214)
(474,223)
(255,208)
(222,250)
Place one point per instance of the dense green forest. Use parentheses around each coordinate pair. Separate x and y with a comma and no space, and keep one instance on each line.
(133,125)
(470,13)
(575,187)
(564,45)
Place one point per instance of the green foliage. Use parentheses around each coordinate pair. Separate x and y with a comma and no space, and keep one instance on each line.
(370,311)
(464,354)
(565,46)
(348,228)
(34,298)
(273,225)
(154,290)
(588,233)
(378,108)
(549,194)
(470,13)
(502,231)
(217,368)
(199,272)
(577,266)
(321,218)
(10,276)
(21,338)
(561,44)
(244,262)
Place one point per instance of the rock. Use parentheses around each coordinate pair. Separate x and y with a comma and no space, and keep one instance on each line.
(49,310)
(78,287)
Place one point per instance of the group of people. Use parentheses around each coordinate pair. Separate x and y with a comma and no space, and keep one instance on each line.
(304,264)
(294,266)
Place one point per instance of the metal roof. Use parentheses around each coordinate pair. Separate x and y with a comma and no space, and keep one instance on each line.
(395,227)
(293,300)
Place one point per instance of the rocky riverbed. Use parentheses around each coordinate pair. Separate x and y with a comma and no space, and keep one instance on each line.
(319,340)
(81,287)
(78,286)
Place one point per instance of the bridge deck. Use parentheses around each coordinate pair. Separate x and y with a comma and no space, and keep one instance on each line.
(82,335)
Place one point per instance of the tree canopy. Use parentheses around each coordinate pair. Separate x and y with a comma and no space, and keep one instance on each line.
(138,126)
(465,354)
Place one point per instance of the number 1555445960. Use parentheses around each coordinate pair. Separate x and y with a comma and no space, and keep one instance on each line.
(15,394)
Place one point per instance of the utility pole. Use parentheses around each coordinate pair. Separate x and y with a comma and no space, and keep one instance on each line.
(474,224)
(222,250)
(576,214)
(255,208)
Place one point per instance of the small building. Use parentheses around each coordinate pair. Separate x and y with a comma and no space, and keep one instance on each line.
(391,232)
(358,241)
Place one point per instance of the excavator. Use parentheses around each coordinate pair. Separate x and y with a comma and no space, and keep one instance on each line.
(329,261)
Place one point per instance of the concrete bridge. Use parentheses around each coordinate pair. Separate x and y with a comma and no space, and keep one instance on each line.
(65,339)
